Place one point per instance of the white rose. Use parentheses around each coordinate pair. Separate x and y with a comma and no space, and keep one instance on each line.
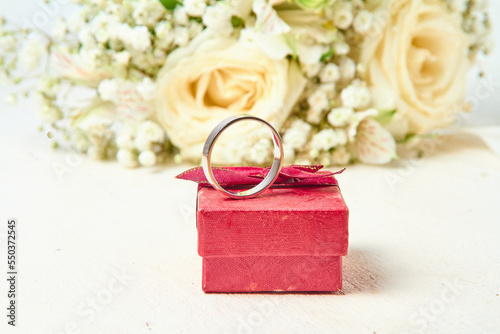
(418,63)
(213,78)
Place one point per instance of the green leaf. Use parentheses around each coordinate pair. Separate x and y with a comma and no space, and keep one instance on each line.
(236,22)
(385,116)
(327,55)
(169,4)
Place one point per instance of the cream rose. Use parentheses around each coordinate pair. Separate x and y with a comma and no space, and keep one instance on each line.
(418,62)
(215,77)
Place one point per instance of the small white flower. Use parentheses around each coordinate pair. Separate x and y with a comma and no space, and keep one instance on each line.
(342,15)
(330,73)
(356,119)
(347,69)
(151,131)
(194,28)
(218,18)
(327,139)
(108,89)
(363,21)
(180,15)
(50,114)
(356,95)
(235,151)
(122,58)
(311,70)
(125,136)
(91,57)
(341,48)
(260,151)
(147,158)
(118,11)
(32,53)
(340,156)
(76,23)
(340,116)
(7,43)
(165,34)
(162,29)
(147,89)
(86,37)
(318,100)
(127,158)
(296,136)
(140,39)
(181,36)
(330,90)
(60,29)
(125,141)
(373,143)
(80,140)
(195,7)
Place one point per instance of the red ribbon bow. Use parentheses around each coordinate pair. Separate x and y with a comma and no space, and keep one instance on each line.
(290,175)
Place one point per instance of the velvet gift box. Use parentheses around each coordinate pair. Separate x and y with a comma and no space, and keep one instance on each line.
(290,238)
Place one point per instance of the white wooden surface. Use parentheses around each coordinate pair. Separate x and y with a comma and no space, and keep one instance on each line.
(108,250)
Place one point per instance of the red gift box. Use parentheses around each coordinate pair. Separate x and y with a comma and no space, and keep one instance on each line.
(290,238)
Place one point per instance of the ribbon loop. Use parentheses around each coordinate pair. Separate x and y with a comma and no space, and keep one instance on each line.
(294,175)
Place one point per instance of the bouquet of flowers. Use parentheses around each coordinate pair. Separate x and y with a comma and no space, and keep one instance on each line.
(343,80)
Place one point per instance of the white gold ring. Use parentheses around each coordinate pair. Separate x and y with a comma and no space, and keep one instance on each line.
(270,177)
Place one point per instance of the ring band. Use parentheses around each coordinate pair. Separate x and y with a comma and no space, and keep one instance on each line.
(270,177)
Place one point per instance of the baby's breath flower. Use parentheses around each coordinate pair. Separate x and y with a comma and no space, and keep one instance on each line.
(140,39)
(181,36)
(318,101)
(32,53)
(108,89)
(311,70)
(180,15)
(340,156)
(341,48)
(340,116)
(218,18)
(356,95)
(147,158)
(347,69)
(329,73)
(327,139)
(195,7)
(122,58)
(296,136)
(260,151)
(342,14)
(363,21)
(127,158)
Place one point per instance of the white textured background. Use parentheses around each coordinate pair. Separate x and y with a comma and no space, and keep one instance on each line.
(424,240)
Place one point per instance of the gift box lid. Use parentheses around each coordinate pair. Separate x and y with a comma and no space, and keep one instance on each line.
(304,213)
(283,221)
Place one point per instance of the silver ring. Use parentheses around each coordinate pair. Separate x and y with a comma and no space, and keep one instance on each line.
(270,177)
